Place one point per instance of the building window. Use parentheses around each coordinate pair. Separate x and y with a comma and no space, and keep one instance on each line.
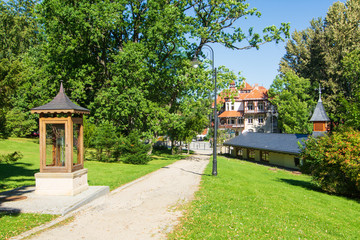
(227,106)
(261,106)
(250,120)
(232,121)
(297,161)
(240,121)
(251,154)
(232,106)
(250,106)
(240,153)
(261,119)
(265,156)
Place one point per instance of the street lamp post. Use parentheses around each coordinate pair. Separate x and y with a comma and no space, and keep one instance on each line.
(214,75)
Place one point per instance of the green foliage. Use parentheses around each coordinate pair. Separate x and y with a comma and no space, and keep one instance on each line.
(251,201)
(19,123)
(318,54)
(350,104)
(135,150)
(127,61)
(11,157)
(334,162)
(290,94)
(89,133)
(104,140)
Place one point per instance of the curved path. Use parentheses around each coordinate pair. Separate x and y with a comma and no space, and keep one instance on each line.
(143,210)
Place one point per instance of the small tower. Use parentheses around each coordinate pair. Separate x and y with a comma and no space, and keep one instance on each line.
(61,147)
(319,118)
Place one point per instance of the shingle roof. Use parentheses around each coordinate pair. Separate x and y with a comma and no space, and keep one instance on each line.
(61,103)
(319,113)
(276,142)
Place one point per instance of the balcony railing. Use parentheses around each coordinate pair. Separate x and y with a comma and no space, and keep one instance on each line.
(231,125)
(254,111)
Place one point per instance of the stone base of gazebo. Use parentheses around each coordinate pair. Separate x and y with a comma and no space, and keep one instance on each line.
(61,184)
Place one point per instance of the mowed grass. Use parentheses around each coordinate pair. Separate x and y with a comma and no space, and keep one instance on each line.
(14,224)
(117,174)
(250,201)
(22,173)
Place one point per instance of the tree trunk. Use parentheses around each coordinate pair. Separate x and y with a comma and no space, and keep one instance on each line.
(151,148)
(172,146)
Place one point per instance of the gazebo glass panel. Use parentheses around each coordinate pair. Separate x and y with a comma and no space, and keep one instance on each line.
(55,145)
(76,148)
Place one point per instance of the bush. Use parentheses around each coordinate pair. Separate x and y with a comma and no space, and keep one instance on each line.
(104,139)
(11,157)
(136,152)
(334,162)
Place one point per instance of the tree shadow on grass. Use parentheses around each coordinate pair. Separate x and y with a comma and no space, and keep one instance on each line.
(304,184)
(15,170)
(313,187)
(10,212)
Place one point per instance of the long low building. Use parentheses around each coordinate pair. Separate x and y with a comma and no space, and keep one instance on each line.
(278,148)
(273,148)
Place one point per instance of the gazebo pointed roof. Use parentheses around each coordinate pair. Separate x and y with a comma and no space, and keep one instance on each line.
(60,104)
(319,114)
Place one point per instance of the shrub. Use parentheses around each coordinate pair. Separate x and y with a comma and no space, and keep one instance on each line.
(334,162)
(11,157)
(136,151)
(104,139)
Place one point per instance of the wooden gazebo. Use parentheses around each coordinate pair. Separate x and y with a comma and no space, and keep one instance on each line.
(61,147)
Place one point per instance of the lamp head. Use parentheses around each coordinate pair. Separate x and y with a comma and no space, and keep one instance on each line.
(195,62)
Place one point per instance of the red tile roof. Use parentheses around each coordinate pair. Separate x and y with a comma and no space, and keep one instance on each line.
(205,132)
(230,114)
(257,94)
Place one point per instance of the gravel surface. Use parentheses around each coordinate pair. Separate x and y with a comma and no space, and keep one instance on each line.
(145,209)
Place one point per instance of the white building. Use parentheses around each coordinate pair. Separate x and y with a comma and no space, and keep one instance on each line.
(246,110)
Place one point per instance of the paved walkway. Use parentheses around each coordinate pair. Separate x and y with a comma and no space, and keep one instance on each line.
(144,210)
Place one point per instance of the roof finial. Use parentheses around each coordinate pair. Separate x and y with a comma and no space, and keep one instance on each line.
(320,92)
(61,86)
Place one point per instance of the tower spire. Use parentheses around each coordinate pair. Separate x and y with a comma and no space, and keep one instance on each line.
(320,92)
(61,86)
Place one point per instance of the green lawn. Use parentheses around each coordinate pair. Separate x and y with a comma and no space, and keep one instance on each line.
(22,173)
(117,174)
(99,173)
(250,201)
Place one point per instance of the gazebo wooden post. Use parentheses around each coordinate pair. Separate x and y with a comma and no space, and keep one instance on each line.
(61,175)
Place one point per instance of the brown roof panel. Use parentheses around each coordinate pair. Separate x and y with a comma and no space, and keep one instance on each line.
(61,103)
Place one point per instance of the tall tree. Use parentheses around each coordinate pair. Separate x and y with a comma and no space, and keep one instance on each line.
(317,53)
(289,93)
(18,33)
(129,60)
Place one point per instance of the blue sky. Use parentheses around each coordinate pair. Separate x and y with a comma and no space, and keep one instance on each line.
(261,66)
